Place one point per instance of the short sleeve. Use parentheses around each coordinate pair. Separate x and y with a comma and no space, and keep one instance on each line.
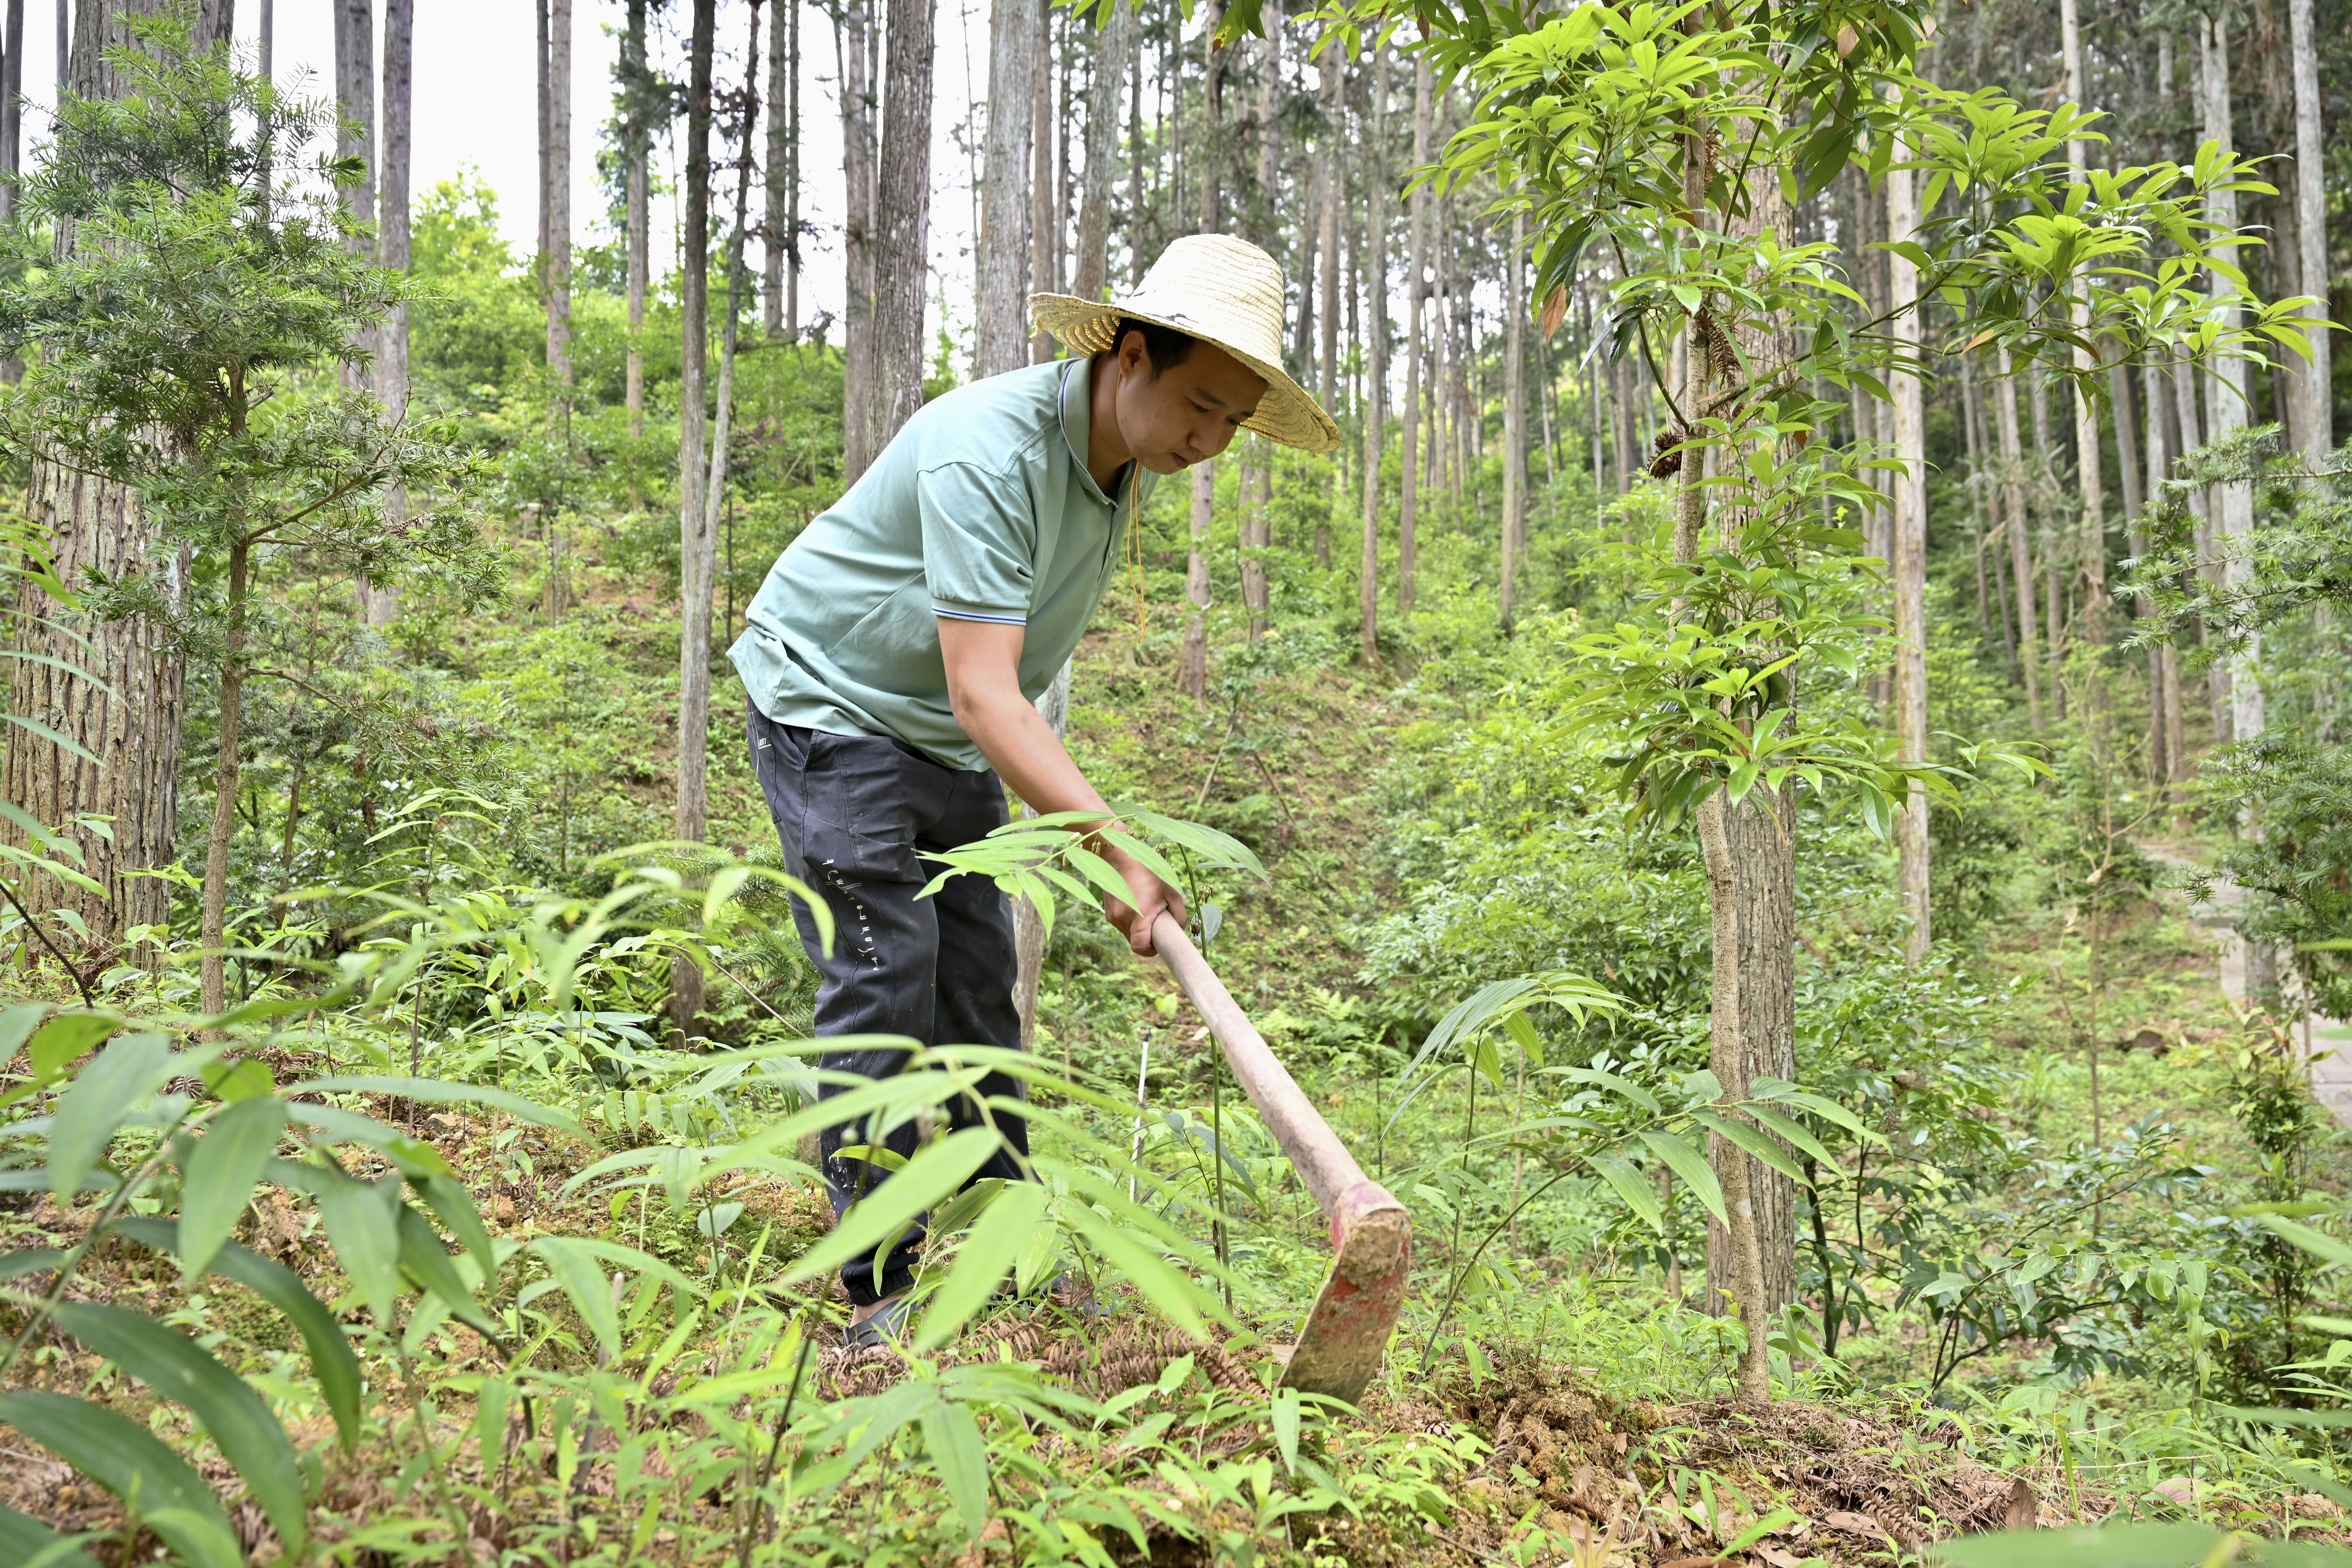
(980,542)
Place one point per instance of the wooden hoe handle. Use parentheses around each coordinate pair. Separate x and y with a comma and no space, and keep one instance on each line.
(1346,1332)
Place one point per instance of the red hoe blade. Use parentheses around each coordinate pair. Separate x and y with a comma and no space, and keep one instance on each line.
(1344,1336)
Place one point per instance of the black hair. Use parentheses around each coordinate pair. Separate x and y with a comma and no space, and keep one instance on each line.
(1165,347)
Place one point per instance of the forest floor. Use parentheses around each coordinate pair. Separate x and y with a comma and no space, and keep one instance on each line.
(1582,1419)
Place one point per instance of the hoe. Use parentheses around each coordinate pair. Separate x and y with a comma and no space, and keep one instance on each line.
(1346,1333)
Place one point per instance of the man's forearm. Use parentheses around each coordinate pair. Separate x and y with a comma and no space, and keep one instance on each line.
(1027,755)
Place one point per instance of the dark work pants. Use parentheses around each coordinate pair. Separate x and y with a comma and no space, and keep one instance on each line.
(853,811)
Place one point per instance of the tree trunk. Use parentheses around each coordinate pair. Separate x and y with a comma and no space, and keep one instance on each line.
(1515,416)
(1908,561)
(117,695)
(12,105)
(354,138)
(1111,49)
(903,209)
(213,968)
(1417,268)
(1193,677)
(2021,546)
(558,208)
(2314,387)
(775,230)
(636,142)
(1376,370)
(697,541)
(853,28)
(2087,474)
(1333,65)
(1135,215)
(1044,193)
(790,113)
(1003,329)
(380,605)
(2233,503)
(2163,436)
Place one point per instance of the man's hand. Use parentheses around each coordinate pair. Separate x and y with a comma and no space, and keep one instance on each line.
(982,660)
(1147,897)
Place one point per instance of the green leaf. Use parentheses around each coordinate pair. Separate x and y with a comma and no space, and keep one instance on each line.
(1691,1166)
(434,1092)
(1633,1187)
(583,1280)
(332,1361)
(29,1543)
(1760,1146)
(157,1485)
(237,1419)
(987,1254)
(32,1260)
(428,1262)
(220,1177)
(1282,1415)
(885,1213)
(961,1457)
(361,1223)
(1796,1133)
(16,1025)
(123,1075)
(450,1200)
(2317,1243)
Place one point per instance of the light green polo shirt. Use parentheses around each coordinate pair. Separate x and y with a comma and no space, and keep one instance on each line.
(981,509)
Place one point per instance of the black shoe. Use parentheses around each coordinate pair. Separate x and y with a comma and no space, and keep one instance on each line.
(888,1323)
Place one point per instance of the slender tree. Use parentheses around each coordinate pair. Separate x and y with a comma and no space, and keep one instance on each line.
(903,209)
(1515,414)
(2227,392)
(2021,542)
(697,541)
(722,439)
(380,601)
(853,33)
(1045,186)
(1413,474)
(1111,49)
(2090,481)
(776,232)
(1333,190)
(12,103)
(2315,400)
(355,138)
(1909,563)
(557,170)
(636,151)
(1192,675)
(1003,327)
(1376,374)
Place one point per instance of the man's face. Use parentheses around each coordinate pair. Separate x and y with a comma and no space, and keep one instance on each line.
(1186,413)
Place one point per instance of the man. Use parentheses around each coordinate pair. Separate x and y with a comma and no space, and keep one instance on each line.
(893,657)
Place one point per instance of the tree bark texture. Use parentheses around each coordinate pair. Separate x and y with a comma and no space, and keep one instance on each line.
(1415,349)
(698,542)
(2234,504)
(1908,561)
(2021,544)
(854,26)
(1003,329)
(1112,48)
(354,138)
(638,151)
(2313,385)
(558,280)
(1044,193)
(12,104)
(1376,322)
(95,524)
(1515,416)
(903,222)
(1334,189)
(775,229)
(380,604)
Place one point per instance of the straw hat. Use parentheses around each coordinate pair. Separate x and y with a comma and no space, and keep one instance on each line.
(1221,290)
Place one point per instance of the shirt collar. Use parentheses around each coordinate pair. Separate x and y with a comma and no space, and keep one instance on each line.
(1077,422)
